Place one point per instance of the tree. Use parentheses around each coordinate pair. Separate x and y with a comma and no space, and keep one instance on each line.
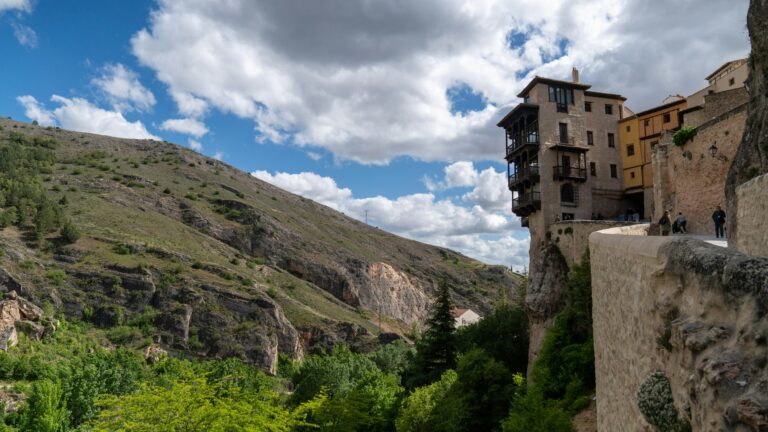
(503,335)
(417,408)
(436,350)
(531,413)
(337,373)
(45,410)
(69,233)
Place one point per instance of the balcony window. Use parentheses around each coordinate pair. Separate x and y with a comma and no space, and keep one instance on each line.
(667,118)
(628,128)
(563,133)
(593,169)
(562,97)
(588,106)
(567,194)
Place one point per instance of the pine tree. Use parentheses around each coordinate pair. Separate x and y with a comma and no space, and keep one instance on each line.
(436,350)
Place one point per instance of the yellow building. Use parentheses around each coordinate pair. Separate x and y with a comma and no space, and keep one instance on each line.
(638,135)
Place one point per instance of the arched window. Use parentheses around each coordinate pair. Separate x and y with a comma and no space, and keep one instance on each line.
(567,194)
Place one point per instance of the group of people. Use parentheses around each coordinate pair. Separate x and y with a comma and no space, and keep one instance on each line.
(679,225)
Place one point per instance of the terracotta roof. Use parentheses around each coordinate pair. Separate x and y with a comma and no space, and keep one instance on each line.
(538,79)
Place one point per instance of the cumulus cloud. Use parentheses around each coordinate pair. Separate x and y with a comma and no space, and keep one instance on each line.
(23,5)
(195,145)
(473,230)
(489,187)
(123,89)
(34,110)
(370,81)
(218,155)
(24,34)
(187,126)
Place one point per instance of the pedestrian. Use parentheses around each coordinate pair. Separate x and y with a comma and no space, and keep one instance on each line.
(682,223)
(718,217)
(665,223)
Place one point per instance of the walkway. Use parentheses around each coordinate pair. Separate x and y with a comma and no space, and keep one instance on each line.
(707,238)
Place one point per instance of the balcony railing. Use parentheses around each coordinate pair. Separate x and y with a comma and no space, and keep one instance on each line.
(567,140)
(529,173)
(522,138)
(526,204)
(570,172)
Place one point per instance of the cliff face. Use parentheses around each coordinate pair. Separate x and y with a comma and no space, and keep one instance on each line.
(752,157)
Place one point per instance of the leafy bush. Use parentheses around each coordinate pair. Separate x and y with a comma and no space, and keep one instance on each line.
(69,233)
(532,413)
(503,334)
(337,373)
(416,409)
(656,403)
(683,135)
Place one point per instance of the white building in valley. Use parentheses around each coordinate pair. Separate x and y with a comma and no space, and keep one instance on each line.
(465,317)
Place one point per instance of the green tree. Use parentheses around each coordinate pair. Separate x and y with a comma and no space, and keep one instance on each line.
(69,233)
(416,410)
(436,350)
(503,334)
(45,411)
(337,373)
(531,413)
(370,406)
(195,405)
(393,357)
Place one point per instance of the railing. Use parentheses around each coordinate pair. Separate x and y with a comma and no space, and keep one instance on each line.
(528,136)
(569,172)
(525,200)
(530,172)
(567,140)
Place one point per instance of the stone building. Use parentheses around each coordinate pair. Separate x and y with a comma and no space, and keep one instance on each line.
(562,150)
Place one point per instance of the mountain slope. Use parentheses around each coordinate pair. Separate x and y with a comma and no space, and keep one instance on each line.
(207,259)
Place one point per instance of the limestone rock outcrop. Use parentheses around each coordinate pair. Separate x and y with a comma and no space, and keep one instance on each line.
(18,314)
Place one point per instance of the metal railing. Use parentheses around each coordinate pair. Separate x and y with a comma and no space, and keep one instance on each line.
(530,172)
(569,172)
(524,200)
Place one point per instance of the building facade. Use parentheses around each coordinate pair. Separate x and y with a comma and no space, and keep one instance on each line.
(563,154)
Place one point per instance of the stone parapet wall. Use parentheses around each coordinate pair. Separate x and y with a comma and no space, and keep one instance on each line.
(688,309)
(752,236)
(572,237)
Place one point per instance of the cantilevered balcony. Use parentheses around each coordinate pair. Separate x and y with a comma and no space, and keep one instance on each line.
(529,173)
(522,129)
(527,203)
(570,172)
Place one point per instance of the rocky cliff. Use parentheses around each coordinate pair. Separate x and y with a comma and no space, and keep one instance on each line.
(197,256)
(752,157)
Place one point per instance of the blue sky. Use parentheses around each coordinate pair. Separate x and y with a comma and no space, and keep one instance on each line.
(382,107)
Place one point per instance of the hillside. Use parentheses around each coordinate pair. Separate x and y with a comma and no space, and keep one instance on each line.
(203,258)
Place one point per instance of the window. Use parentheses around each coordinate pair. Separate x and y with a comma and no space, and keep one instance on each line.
(667,118)
(614,174)
(588,106)
(731,82)
(647,122)
(628,128)
(609,109)
(527,99)
(562,96)
(593,169)
(631,150)
(590,138)
(567,194)
(632,174)
(568,216)
(564,133)
(611,142)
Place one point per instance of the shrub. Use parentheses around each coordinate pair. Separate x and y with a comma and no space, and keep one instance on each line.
(69,233)
(654,398)
(56,276)
(685,134)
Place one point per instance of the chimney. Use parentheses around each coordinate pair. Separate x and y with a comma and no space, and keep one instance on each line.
(575,75)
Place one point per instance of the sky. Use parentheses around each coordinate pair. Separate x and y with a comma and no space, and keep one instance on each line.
(377,108)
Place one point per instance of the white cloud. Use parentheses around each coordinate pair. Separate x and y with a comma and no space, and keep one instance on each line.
(195,145)
(82,116)
(368,80)
(123,89)
(34,110)
(314,156)
(24,34)
(218,155)
(186,126)
(23,5)
(460,174)
(489,187)
(482,234)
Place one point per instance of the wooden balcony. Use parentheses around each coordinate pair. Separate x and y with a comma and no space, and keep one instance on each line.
(569,172)
(528,173)
(526,204)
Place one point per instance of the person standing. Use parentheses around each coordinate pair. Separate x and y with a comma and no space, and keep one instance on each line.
(718,217)
(665,223)
(681,223)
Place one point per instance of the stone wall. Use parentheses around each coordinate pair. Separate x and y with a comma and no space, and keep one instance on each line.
(688,309)
(572,237)
(688,179)
(752,236)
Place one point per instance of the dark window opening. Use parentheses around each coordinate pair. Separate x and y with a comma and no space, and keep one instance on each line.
(593,169)
(614,173)
(731,82)
(568,216)
(562,97)
(628,128)
(667,118)
(564,133)
(590,138)
(611,142)
(567,194)
(588,106)
(647,122)
(609,109)
(632,174)
(631,150)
